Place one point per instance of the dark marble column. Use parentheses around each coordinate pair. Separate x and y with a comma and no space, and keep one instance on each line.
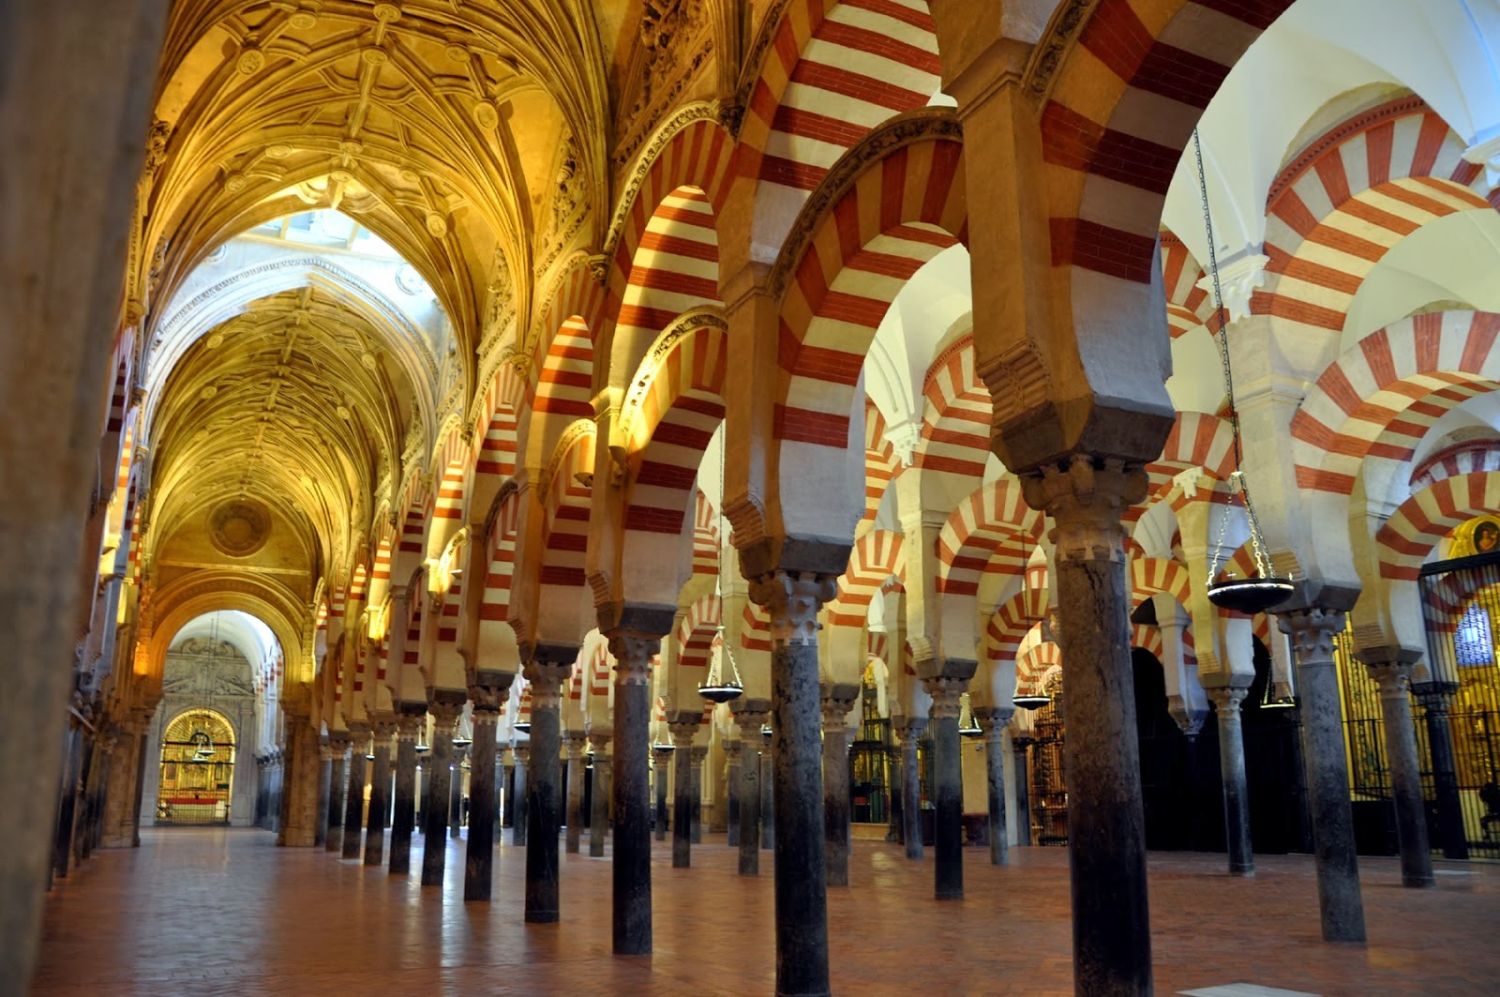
(548,671)
(354,794)
(1393,676)
(333,837)
(1339,900)
(521,793)
(699,753)
(628,787)
(479,850)
(325,794)
(67,790)
(1021,746)
(993,720)
(404,813)
(837,701)
(573,743)
(445,709)
(896,826)
(599,801)
(792,601)
(911,786)
(1084,500)
(750,717)
(947,785)
(767,797)
(380,786)
(683,730)
(142,717)
(1435,698)
(508,788)
(662,755)
(456,792)
(732,792)
(1227,700)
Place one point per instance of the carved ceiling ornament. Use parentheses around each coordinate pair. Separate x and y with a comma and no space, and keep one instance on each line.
(241,527)
(676,45)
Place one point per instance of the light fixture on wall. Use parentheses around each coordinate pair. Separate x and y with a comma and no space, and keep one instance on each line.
(715,687)
(1263,589)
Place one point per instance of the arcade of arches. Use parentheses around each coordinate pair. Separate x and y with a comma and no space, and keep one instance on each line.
(416,403)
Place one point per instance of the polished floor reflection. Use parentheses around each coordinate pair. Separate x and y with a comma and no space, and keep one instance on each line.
(226,912)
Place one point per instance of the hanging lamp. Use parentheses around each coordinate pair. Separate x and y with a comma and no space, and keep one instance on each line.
(715,687)
(1036,699)
(1264,588)
(972,728)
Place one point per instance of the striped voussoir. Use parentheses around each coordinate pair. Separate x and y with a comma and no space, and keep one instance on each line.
(695,636)
(1148,638)
(566,384)
(411,542)
(447,660)
(1036,663)
(881,466)
(494,607)
(899,213)
(1121,111)
(380,567)
(682,407)
(600,670)
(411,653)
(705,536)
(1151,576)
(1188,304)
(566,527)
(1409,535)
(989,530)
(497,432)
(1010,623)
(956,416)
(876,557)
(1460,458)
(834,71)
(523,708)
(1338,208)
(755,629)
(1383,394)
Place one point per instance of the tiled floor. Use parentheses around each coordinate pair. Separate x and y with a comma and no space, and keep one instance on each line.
(225,912)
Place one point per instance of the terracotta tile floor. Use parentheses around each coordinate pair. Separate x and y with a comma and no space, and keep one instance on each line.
(225,912)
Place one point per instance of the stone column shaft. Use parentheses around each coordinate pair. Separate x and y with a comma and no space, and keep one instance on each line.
(663,758)
(599,801)
(631,912)
(682,793)
(574,818)
(1394,680)
(520,793)
(404,809)
(354,794)
(911,787)
(1226,700)
(1435,697)
(380,782)
(1021,747)
(440,758)
(479,849)
(767,800)
(750,722)
(548,672)
(837,701)
(993,722)
(698,755)
(456,795)
(947,788)
(1084,500)
(1339,900)
(325,796)
(732,793)
(338,783)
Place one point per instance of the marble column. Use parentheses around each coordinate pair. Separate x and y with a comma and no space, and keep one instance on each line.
(325,794)
(599,800)
(380,781)
(67,797)
(732,792)
(993,720)
(1021,747)
(354,794)
(1084,500)
(1340,904)
(631,912)
(446,708)
(456,792)
(947,786)
(520,792)
(338,783)
(1393,676)
(409,725)
(662,755)
(792,600)
(911,786)
(895,830)
(508,788)
(751,718)
(683,731)
(142,728)
(1435,698)
(499,789)
(548,671)
(837,701)
(699,753)
(1227,700)
(573,743)
(479,850)
(767,797)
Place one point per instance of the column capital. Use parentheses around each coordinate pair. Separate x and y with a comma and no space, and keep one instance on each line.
(573,742)
(382,730)
(1226,698)
(750,721)
(700,752)
(599,740)
(837,700)
(1392,677)
(1435,697)
(338,743)
(946,693)
(633,653)
(1086,496)
(445,717)
(489,696)
(793,599)
(993,720)
(683,732)
(1312,629)
(732,750)
(910,730)
(547,678)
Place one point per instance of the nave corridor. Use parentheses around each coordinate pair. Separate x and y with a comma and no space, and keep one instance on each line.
(197,912)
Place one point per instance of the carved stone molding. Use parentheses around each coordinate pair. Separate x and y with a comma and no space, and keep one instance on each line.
(1312,631)
(1054,44)
(792,599)
(1085,498)
(641,167)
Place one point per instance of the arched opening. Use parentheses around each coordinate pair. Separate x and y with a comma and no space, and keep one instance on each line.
(197,769)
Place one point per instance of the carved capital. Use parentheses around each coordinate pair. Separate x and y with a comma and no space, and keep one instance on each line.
(1086,498)
(910,731)
(339,745)
(573,741)
(445,718)
(946,696)
(837,700)
(488,698)
(750,722)
(700,752)
(792,599)
(548,676)
(633,653)
(993,721)
(1312,630)
(599,741)
(381,732)
(1226,699)
(683,732)
(732,751)
(1393,677)
(409,728)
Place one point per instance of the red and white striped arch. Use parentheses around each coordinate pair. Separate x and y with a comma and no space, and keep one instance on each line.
(992,526)
(501,570)
(380,566)
(1035,664)
(1383,394)
(956,417)
(1148,638)
(675,269)
(449,506)
(416,512)
(876,557)
(695,637)
(565,531)
(1407,538)
(565,387)
(497,435)
(1338,208)
(835,70)
(705,536)
(1460,458)
(755,629)
(1198,439)
(1188,305)
(1012,621)
(881,466)
(1151,576)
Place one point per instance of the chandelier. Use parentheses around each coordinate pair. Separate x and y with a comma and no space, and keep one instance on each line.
(715,687)
(1264,588)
